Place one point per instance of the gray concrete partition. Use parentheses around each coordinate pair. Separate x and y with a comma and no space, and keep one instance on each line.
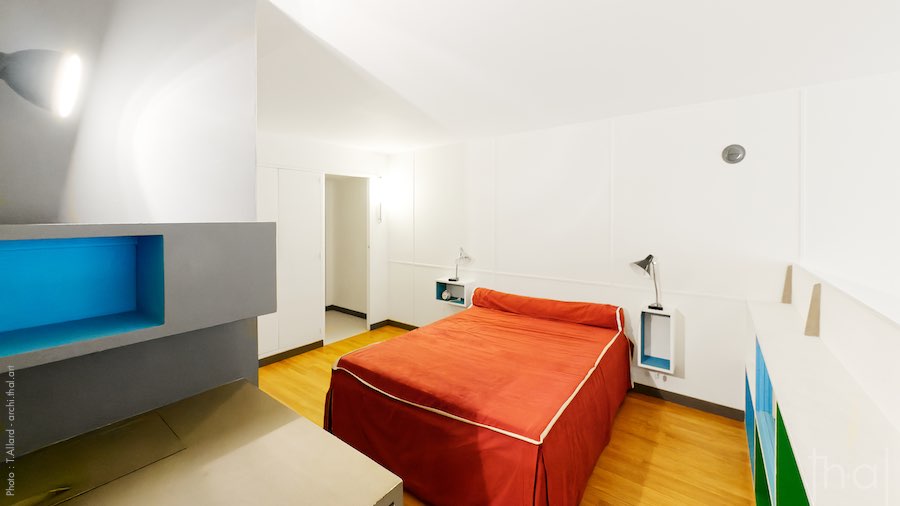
(218,278)
(215,273)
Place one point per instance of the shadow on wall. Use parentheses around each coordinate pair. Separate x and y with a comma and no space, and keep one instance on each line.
(35,145)
(166,130)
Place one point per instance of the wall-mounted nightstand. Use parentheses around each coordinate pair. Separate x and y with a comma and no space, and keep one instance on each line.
(657,346)
(455,293)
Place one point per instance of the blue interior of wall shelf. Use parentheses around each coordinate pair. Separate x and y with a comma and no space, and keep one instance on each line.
(656,362)
(749,422)
(60,291)
(765,419)
(650,360)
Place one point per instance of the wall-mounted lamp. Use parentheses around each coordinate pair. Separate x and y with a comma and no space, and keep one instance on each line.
(376,189)
(49,79)
(647,267)
(462,257)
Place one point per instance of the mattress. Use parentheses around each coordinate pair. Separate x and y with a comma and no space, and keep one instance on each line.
(508,402)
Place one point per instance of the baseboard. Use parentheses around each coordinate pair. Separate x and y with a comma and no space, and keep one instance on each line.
(392,323)
(684,400)
(271,359)
(344,310)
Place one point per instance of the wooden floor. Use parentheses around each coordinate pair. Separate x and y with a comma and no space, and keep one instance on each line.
(660,454)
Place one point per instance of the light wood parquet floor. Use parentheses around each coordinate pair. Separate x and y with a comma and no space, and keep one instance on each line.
(660,454)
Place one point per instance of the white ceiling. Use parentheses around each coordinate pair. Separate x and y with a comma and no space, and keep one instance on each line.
(402,73)
(306,88)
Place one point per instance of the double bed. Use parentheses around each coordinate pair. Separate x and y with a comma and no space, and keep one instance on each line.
(508,402)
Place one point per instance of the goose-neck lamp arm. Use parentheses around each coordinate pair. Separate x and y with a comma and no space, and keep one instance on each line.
(655,305)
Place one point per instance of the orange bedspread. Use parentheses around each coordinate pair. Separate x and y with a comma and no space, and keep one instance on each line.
(488,406)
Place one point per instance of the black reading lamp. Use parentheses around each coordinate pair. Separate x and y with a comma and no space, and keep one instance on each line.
(48,79)
(647,267)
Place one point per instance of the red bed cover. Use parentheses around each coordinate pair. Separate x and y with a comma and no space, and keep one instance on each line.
(504,403)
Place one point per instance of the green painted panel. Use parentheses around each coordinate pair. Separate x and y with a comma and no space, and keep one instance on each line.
(788,485)
(760,485)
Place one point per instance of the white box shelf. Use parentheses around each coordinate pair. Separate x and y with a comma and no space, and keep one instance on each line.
(458,293)
(657,346)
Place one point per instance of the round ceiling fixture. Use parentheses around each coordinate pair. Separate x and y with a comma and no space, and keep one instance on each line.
(734,153)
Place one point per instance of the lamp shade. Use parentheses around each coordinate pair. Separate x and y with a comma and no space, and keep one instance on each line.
(647,267)
(643,266)
(48,79)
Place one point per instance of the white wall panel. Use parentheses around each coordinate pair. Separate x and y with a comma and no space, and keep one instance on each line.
(553,202)
(479,206)
(399,205)
(853,209)
(564,211)
(439,204)
(331,233)
(301,283)
(401,280)
(715,228)
(296,152)
(554,289)
(379,291)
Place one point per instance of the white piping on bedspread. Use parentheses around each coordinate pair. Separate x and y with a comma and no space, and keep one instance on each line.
(586,377)
(443,413)
(334,366)
(520,437)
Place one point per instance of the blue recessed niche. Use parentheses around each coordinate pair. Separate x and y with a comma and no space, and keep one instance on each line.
(55,292)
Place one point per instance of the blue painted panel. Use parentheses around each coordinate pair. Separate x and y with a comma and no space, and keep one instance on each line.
(749,423)
(55,280)
(58,291)
(49,336)
(656,362)
(151,278)
(763,384)
(765,420)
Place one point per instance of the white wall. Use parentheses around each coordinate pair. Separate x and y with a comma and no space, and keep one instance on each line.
(330,236)
(35,146)
(276,149)
(278,152)
(167,132)
(852,209)
(561,212)
(346,242)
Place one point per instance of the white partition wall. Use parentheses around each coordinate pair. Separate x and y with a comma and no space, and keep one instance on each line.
(293,199)
(851,207)
(561,212)
(300,272)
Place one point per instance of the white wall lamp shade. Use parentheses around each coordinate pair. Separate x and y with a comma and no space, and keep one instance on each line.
(49,79)
(647,267)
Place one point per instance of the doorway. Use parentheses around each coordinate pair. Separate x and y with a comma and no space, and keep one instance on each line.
(346,256)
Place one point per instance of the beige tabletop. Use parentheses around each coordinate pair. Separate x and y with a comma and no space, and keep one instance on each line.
(230,445)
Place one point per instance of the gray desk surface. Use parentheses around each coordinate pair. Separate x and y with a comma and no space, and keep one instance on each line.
(232,445)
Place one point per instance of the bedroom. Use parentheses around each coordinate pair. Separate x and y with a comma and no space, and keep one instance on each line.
(554,144)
